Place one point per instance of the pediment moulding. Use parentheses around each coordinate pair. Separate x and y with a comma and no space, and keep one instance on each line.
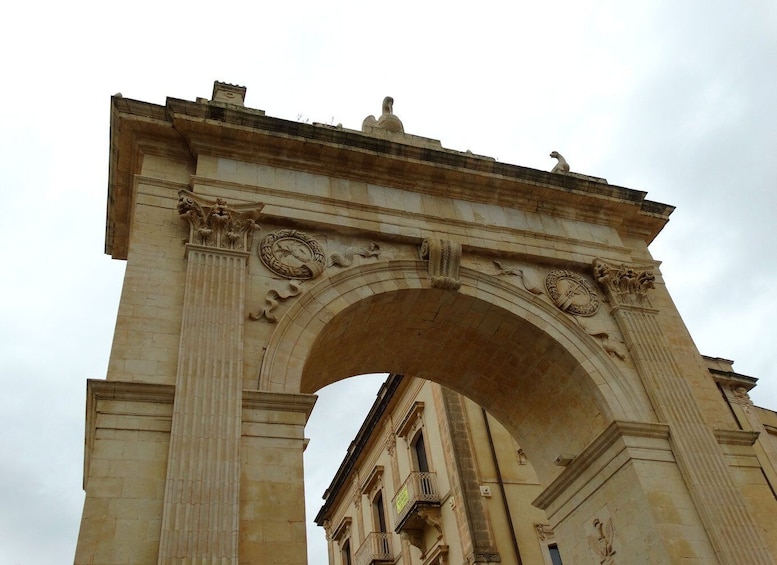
(228,130)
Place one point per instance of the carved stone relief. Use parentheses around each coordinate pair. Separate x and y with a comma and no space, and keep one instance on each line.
(601,541)
(625,285)
(216,224)
(571,293)
(273,298)
(345,259)
(544,532)
(292,254)
(444,257)
(534,289)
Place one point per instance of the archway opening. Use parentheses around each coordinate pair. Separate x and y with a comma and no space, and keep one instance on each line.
(524,377)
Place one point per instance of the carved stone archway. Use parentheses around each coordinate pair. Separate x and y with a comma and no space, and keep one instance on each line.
(310,253)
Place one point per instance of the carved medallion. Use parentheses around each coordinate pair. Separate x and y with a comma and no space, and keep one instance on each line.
(292,254)
(571,293)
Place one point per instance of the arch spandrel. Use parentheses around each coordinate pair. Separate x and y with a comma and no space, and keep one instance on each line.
(529,364)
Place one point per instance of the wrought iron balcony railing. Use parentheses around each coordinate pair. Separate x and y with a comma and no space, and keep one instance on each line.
(375,549)
(417,489)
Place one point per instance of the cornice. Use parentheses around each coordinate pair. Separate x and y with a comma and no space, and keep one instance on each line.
(594,451)
(194,128)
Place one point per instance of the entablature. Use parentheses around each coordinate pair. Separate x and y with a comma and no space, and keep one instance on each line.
(246,135)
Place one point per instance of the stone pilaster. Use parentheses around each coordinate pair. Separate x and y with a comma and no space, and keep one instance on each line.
(200,521)
(729,525)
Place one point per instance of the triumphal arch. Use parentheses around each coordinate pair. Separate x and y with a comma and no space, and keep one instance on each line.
(267,259)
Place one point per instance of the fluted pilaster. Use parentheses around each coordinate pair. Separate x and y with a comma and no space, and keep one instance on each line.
(729,525)
(200,520)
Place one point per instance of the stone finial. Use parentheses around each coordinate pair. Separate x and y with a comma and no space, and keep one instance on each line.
(387,120)
(229,93)
(562,166)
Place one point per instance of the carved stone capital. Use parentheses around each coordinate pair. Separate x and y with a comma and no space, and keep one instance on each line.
(624,284)
(444,257)
(215,224)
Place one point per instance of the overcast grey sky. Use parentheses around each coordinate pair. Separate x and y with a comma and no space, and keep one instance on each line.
(675,98)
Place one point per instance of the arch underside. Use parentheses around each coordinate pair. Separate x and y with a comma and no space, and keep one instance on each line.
(527,363)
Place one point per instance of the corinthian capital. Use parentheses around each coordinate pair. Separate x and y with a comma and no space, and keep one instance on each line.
(215,224)
(624,284)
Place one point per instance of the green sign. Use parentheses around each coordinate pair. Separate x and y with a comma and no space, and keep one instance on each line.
(401,500)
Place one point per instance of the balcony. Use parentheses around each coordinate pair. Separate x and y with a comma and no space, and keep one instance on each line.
(375,549)
(418,491)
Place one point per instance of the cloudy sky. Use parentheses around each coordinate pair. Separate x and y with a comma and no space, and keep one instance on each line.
(675,98)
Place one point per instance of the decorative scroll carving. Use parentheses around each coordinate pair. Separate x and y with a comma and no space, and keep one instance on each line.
(215,224)
(432,517)
(624,284)
(601,541)
(571,293)
(292,254)
(534,289)
(414,538)
(346,258)
(444,257)
(272,300)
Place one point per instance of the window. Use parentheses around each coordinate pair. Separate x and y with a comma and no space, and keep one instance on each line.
(555,555)
(419,451)
(345,551)
(379,513)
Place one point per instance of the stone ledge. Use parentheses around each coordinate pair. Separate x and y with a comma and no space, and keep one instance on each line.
(591,454)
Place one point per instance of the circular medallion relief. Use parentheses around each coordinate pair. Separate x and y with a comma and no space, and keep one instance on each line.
(292,254)
(571,293)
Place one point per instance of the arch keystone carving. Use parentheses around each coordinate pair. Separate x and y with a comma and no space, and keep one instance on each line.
(444,258)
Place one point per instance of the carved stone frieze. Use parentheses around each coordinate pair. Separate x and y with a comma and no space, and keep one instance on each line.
(624,284)
(292,254)
(272,300)
(444,257)
(571,293)
(345,259)
(216,224)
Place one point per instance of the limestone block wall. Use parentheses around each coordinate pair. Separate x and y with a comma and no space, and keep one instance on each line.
(128,435)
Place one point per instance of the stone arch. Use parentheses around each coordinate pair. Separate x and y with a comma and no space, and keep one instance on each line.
(526,362)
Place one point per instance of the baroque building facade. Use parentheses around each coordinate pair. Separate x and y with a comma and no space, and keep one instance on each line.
(266,259)
(432,478)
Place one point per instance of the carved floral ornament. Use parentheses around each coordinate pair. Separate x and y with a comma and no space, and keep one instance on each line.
(216,224)
(624,284)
